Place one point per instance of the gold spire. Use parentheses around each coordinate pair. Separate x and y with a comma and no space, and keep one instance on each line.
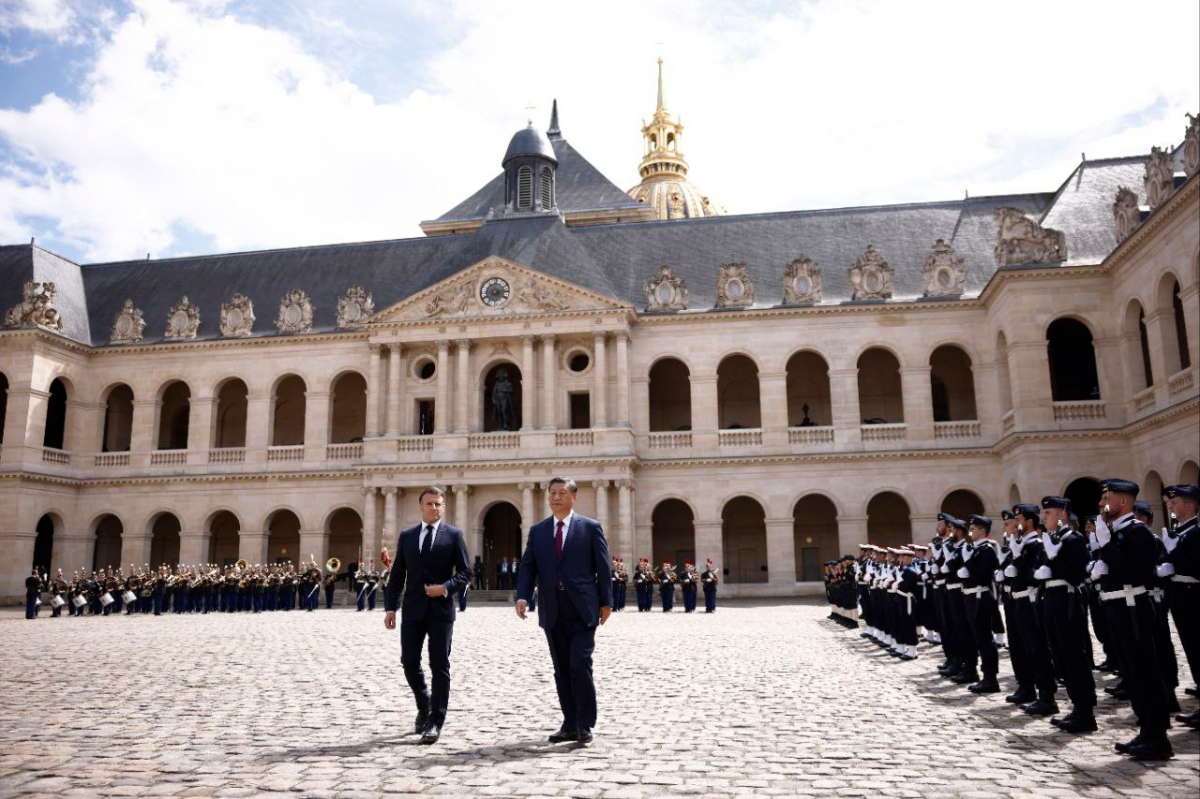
(661,105)
(663,135)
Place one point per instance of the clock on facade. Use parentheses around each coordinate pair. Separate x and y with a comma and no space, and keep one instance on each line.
(494,292)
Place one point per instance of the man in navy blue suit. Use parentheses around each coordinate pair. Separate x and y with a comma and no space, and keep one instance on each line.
(566,556)
(431,566)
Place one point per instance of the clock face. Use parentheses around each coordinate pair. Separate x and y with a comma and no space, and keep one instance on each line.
(494,292)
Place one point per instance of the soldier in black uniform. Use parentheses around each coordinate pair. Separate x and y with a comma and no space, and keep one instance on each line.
(666,586)
(1028,556)
(1065,611)
(1165,647)
(1181,571)
(1128,552)
(641,585)
(967,653)
(688,581)
(709,579)
(981,558)
(33,590)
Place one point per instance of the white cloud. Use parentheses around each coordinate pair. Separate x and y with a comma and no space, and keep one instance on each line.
(38,16)
(194,117)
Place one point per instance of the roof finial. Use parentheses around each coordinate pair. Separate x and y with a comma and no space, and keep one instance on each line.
(553,129)
(660,92)
(529,114)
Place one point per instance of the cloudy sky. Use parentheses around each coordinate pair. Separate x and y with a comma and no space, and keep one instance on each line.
(173,127)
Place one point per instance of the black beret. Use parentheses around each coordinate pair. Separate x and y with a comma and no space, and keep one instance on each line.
(1028,510)
(1118,486)
(1185,490)
(1056,502)
(944,517)
(981,521)
(1007,514)
(956,522)
(1143,507)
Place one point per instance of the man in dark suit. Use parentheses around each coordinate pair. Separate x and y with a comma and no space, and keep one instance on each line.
(431,566)
(566,557)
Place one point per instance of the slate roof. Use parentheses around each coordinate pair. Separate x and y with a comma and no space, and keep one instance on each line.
(1082,207)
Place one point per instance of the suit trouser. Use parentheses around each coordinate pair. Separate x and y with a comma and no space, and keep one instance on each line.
(1063,609)
(572,643)
(1017,653)
(981,610)
(1185,609)
(1133,630)
(412,640)
(1033,636)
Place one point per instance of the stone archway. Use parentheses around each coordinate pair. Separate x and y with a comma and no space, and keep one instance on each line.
(164,541)
(744,536)
(673,532)
(43,545)
(501,538)
(107,553)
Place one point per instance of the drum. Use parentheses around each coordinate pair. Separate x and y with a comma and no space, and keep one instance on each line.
(129,597)
(106,599)
(79,601)
(58,601)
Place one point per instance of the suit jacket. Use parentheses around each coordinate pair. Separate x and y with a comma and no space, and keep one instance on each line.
(585,570)
(446,564)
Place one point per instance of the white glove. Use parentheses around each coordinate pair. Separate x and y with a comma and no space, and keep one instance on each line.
(945,569)
(937,551)
(1165,569)
(1051,547)
(1010,570)
(1042,573)
(998,576)
(963,573)
(1099,570)
(967,552)
(1016,547)
(1093,544)
(1169,541)
(1103,534)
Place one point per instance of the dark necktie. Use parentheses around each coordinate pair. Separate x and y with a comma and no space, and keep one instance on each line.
(558,542)
(427,544)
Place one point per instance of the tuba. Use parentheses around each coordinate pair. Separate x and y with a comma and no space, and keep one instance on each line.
(242,565)
(333,565)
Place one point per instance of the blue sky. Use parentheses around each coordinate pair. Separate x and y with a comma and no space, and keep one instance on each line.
(181,126)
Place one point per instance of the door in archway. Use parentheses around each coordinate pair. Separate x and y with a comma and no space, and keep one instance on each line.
(501,538)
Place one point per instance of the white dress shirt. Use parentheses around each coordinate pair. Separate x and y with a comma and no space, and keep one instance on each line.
(424,532)
(566,525)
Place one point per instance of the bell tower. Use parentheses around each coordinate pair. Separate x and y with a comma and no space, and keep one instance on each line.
(663,141)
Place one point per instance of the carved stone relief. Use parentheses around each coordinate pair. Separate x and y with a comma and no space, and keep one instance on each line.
(1020,240)
(451,301)
(802,281)
(666,292)
(1191,146)
(354,308)
(36,308)
(128,326)
(183,320)
(944,273)
(1160,177)
(871,277)
(1126,216)
(735,288)
(237,316)
(295,313)
(536,297)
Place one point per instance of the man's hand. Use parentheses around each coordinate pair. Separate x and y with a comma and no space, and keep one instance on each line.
(605,612)
(521,605)
(389,620)
(435,590)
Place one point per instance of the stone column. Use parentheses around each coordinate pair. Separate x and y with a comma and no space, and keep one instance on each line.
(1189,296)
(709,544)
(75,436)
(17,424)
(135,549)
(622,380)
(843,398)
(313,544)
(258,425)
(599,380)
(528,511)
(371,539)
(193,547)
(704,408)
(528,385)
(389,517)
(142,438)
(987,401)
(462,520)
(202,425)
(441,409)
(624,544)
(395,386)
(916,388)
(374,389)
(252,545)
(1114,390)
(316,424)
(773,403)
(852,532)
(781,552)
(1029,374)
(601,487)
(462,387)
(549,372)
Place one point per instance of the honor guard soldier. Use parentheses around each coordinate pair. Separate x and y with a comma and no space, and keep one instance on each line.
(1181,572)
(1127,563)
(641,585)
(1018,655)
(372,584)
(666,586)
(616,580)
(709,579)
(1028,556)
(330,583)
(311,587)
(58,595)
(622,585)
(981,559)
(1167,662)
(957,624)
(688,581)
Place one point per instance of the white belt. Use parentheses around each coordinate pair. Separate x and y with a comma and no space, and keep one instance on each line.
(1184,579)
(1128,593)
(1030,593)
(1058,584)
(976,591)
(954,587)
(1157,594)
(939,583)
(908,598)
(1007,589)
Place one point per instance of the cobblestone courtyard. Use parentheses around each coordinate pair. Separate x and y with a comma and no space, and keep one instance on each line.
(758,699)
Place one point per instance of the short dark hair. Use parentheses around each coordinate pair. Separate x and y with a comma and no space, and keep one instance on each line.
(567,481)
(431,490)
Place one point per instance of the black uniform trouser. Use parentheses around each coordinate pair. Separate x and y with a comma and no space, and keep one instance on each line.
(1165,647)
(1017,653)
(1065,619)
(906,620)
(1033,635)
(1133,629)
(1184,600)
(981,611)
(964,640)
(1100,625)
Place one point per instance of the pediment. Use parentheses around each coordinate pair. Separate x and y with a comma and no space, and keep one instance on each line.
(509,288)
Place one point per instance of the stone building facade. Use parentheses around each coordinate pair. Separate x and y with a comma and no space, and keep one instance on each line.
(768,390)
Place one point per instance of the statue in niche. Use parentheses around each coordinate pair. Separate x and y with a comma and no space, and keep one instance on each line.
(502,401)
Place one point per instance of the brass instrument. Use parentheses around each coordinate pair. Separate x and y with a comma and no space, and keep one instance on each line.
(333,565)
(241,564)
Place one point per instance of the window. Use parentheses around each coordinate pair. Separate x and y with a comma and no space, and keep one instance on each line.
(424,417)
(524,187)
(547,190)
(581,411)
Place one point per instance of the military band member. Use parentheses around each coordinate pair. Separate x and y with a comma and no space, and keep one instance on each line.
(311,587)
(642,585)
(330,583)
(1181,571)
(666,585)
(709,579)
(33,590)
(688,581)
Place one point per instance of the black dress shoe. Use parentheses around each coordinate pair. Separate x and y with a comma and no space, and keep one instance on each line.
(1156,748)
(1189,719)
(1076,723)
(1115,688)
(431,734)
(1042,707)
(1101,666)
(1193,691)
(1124,747)
(965,677)
(564,735)
(1121,694)
(987,685)
(422,722)
(1021,696)
(950,668)
(585,736)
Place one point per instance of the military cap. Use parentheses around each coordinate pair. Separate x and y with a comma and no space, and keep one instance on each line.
(982,522)
(1056,502)
(1185,490)
(1027,509)
(1007,514)
(956,522)
(1118,486)
(1143,507)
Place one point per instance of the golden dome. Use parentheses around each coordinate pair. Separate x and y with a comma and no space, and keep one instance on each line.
(664,185)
